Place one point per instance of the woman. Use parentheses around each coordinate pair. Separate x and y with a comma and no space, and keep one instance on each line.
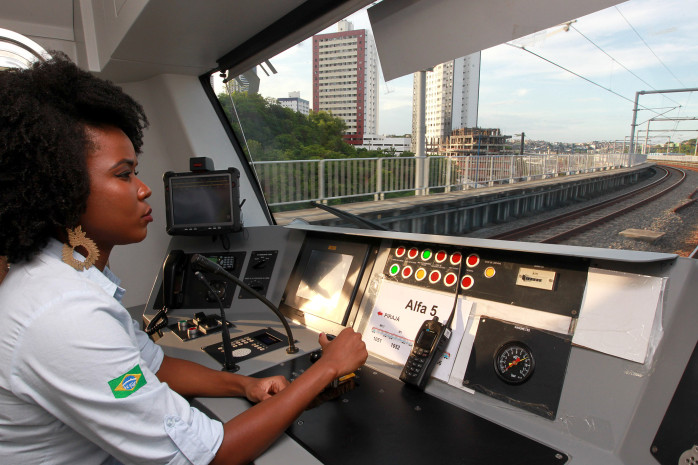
(79,382)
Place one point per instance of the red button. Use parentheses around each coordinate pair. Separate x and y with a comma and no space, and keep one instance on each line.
(440,256)
(473,260)
(413,252)
(434,277)
(407,272)
(450,279)
(467,282)
(400,251)
(456,258)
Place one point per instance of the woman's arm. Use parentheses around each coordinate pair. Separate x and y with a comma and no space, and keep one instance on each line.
(190,379)
(253,431)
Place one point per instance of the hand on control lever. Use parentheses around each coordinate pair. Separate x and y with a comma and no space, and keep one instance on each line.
(346,353)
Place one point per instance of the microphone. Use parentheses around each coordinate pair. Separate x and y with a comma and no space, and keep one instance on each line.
(229,363)
(200,262)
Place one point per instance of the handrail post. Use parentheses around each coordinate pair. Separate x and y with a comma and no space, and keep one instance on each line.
(467,172)
(491,181)
(321,182)
(379,181)
(448,173)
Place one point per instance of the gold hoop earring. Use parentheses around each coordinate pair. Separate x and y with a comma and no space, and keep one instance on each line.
(77,238)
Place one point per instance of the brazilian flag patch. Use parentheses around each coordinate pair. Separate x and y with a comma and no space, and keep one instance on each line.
(128,383)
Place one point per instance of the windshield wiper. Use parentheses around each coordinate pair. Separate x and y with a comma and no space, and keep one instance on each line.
(352,218)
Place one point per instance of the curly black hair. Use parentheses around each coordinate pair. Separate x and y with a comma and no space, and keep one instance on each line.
(44,116)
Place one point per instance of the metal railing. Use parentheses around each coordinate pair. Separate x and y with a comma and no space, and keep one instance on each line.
(674,158)
(300,181)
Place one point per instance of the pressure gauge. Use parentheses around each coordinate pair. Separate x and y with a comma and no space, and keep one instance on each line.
(514,362)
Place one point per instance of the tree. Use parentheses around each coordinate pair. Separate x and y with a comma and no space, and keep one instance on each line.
(280,130)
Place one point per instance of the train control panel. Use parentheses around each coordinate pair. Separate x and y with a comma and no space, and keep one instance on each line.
(553,354)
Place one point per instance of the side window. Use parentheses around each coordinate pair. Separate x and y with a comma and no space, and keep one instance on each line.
(16,51)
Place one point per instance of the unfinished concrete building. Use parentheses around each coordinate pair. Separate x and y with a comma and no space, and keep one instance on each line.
(471,142)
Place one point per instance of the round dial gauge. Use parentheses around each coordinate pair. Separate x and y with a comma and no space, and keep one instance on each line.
(514,362)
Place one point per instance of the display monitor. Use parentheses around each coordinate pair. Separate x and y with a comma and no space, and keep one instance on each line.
(325,286)
(203,203)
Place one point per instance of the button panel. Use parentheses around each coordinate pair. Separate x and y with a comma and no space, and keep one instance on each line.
(249,345)
(434,267)
(551,284)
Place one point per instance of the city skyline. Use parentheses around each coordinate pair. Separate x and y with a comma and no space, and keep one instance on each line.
(639,45)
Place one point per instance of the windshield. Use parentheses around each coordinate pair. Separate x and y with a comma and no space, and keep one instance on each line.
(606,91)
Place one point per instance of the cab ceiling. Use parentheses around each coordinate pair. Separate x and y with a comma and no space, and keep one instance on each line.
(187,37)
(169,36)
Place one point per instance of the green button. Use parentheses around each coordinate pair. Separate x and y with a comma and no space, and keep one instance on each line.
(426,255)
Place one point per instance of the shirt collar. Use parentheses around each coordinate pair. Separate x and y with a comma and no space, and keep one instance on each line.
(107,280)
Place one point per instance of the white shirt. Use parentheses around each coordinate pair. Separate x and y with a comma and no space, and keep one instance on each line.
(65,337)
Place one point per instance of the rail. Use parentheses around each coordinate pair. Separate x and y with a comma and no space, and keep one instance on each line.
(290,182)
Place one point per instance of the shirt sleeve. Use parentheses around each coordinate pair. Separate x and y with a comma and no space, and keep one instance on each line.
(151,353)
(82,361)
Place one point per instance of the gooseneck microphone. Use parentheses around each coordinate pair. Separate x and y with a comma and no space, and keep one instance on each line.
(200,262)
(228,361)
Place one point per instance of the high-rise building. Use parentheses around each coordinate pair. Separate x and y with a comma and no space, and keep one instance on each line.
(345,79)
(295,103)
(452,94)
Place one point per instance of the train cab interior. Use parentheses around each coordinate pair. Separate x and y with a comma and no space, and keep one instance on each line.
(552,354)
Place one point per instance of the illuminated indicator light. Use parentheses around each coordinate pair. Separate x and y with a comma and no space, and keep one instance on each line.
(407,272)
(440,256)
(413,252)
(434,276)
(400,251)
(332,247)
(456,258)
(395,269)
(426,254)
(467,282)
(420,274)
(450,279)
(473,260)
(489,272)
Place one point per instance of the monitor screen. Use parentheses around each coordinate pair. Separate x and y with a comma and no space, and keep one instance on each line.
(325,288)
(205,203)
(322,282)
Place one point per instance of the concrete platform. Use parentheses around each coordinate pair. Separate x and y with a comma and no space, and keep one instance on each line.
(642,234)
(459,212)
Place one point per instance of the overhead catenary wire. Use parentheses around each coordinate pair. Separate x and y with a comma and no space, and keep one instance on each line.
(521,47)
(676,125)
(648,47)
(616,61)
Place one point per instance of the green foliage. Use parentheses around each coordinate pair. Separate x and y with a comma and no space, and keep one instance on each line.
(273,132)
(688,147)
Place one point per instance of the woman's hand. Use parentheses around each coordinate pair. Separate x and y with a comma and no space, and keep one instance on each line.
(251,432)
(345,353)
(259,389)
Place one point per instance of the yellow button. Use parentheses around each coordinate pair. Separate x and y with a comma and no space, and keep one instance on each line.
(489,272)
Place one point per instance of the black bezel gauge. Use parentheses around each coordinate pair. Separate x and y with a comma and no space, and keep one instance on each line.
(514,362)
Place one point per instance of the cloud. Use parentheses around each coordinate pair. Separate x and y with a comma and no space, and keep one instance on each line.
(655,39)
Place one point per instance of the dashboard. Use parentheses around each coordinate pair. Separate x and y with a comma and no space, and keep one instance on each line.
(557,354)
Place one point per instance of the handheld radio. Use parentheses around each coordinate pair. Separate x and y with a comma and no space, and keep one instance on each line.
(429,345)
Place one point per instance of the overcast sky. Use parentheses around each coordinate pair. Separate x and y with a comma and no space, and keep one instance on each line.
(656,40)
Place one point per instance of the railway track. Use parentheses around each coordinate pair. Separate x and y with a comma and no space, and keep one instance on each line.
(556,229)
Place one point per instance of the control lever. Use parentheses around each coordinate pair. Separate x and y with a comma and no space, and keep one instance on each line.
(337,387)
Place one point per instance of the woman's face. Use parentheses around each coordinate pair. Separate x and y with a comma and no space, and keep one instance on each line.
(117,212)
